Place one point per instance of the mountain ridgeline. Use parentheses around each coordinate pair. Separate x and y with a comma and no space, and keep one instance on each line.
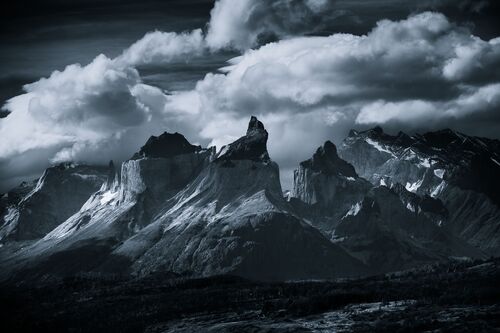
(377,203)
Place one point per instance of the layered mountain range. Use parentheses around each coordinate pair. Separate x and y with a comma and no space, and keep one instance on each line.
(460,171)
(379,203)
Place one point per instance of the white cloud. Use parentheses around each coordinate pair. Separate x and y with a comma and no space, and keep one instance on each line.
(76,104)
(96,112)
(409,73)
(415,72)
(241,23)
(380,112)
(164,47)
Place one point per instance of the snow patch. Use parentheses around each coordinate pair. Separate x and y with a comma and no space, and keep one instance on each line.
(223,151)
(413,187)
(12,214)
(379,147)
(410,207)
(425,162)
(498,163)
(107,196)
(338,239)
(351,179)
(354,210)
(439,173)
(438,189)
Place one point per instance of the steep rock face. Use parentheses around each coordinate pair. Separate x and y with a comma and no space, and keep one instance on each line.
(34,211)
(387,228)
(388,236)
(130,201)
(325,186)
(233,219)
(432,208)
(190,214)
(11,199)
(126,202)
(459,170)
(251,147)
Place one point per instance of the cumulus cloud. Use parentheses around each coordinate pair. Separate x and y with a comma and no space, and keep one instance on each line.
(420,72)
(164,47)
(91,113)
(242,23)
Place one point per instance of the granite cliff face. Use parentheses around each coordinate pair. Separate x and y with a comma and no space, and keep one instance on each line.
(459,170)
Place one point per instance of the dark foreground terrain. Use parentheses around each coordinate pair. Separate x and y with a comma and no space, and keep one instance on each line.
(456,297)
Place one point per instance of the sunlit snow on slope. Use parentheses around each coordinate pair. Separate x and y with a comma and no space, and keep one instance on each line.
(410,207)
(438,189)
(498,163)
(413,187)
(107,196)
(425,162)
(10,221)
(378,146)
(354,210)
(439,173)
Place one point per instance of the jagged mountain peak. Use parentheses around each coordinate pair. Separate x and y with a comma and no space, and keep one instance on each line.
(441,138)
(327,161)
(377,129)
(255,125)
(166,145)
(252,146)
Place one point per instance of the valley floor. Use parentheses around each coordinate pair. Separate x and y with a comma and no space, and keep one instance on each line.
(456,297)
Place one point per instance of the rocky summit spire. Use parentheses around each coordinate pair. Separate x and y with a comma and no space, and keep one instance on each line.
(252,146)
(327,161)
(254,126)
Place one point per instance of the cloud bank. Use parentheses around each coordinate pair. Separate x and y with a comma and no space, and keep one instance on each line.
(423,72)
(89,113)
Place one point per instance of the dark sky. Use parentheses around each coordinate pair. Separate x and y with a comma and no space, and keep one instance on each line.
(94,113)
(37,37)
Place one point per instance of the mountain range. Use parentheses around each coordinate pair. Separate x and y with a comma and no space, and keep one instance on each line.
(375,204)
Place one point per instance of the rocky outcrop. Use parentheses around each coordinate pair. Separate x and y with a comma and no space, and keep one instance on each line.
(325,187)
(251,147)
